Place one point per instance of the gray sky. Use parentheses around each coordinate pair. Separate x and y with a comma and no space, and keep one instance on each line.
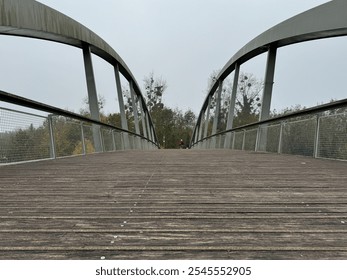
(182,41)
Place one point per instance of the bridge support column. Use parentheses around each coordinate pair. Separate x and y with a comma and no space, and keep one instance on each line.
(51,137)
(92,96)
(267,95)
(121,107)
(136,115)
(201,126)
(217,112)
(207,119)
(143,119)
(149,129)
(227,143)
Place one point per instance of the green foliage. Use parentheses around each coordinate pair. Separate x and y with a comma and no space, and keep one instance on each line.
(173,125)
(24,144)
(170,125)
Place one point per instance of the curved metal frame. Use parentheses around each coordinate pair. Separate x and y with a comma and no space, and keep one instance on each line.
(325,21)
(35,20)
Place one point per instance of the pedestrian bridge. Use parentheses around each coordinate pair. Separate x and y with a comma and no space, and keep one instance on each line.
(73,187)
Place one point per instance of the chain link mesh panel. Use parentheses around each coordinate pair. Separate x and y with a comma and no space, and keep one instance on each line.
(88,138)
(298,137)
(250,139)
(23,136)
(238,141)
(67,136)
(273,138)
(332,140)
(107,136)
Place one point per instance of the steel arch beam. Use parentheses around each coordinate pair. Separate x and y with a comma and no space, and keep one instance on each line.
(324,21)
(29,18)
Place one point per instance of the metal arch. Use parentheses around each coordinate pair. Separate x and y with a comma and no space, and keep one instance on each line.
(29,18)
(324,21)
(35,20)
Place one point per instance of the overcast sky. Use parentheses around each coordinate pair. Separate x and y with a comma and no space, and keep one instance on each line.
(182,41)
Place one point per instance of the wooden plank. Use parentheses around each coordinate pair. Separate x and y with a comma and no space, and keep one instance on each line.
(174,204)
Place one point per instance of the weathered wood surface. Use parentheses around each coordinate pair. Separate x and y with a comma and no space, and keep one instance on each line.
(174,204)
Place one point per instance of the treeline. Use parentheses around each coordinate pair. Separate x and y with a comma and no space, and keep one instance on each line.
(34,142)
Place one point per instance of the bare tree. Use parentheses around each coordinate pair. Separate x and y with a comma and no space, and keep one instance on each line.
(154,90)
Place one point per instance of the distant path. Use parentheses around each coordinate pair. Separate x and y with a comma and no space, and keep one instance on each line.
(174,204)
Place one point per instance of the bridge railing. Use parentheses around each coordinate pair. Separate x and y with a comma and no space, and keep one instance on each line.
(57,133)
(320,132)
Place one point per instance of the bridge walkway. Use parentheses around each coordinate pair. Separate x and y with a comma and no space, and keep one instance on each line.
(174,204)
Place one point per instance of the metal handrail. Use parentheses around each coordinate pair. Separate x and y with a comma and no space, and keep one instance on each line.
(25,102)
(317,109)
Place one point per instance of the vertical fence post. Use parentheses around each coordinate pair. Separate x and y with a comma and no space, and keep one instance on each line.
(143,119)
(201,126)
(257,139)
(279,150)
(84,150)
(207,116)
(51,137)
(243,139)
(113,141)
(233,144)
(316,140)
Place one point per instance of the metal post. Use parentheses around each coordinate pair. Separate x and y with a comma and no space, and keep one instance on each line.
(113,141)
(233,97)
(279,150)
(143,120)
(136,115)
(207,116)
(316,142)
(92,96)
(258,138)
(233,145)
(84,150)
(216,113)
(148,128)
(201,126)
(124,121)
(232,103)
(217,109)
(267,95)
(243,139)
(51,137)
(268,83)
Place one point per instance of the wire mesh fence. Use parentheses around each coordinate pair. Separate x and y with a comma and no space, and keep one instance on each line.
(250,140)
(23,136)
(322,134)
(332,138)
(27,137)
(298,137)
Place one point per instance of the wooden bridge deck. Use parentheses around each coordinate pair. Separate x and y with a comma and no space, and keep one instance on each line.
(174,204)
